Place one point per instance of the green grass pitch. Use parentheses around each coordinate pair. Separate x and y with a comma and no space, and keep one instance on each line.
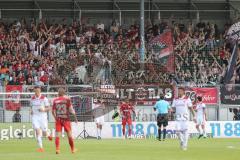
(204,149)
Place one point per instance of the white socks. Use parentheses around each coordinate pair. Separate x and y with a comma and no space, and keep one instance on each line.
(199,131)
(180,136)
(185,138)
(202,131)
(39,140)
(99,132)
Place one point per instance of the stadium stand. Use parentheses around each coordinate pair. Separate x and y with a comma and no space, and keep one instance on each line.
(46,53)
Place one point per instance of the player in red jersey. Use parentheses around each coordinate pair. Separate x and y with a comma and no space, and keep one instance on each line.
(62,108)
(125,110)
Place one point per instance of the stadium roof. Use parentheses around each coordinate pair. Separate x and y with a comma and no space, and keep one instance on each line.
(220,7)
(137,1)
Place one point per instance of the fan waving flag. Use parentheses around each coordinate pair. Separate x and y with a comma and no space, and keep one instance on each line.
(232,65)
(233,36)
(13,102)
(162,47)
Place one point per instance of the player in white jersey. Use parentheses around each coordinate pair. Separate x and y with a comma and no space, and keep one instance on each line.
(201,117)
(182,105)
(39,108)
(99,112)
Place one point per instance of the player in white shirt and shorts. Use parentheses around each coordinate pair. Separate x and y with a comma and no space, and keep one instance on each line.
(99,112)
(182,105)
(39,108)
(201,117)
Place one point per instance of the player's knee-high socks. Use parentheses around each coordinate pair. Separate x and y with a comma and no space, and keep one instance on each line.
(185,138)
(204,132)
(39,140)
(164,133)
(159,134)
(97,132)
(57,143)
(199,131)
(71,143)
(100,132)
(180,136)
(129,132)
(123,130)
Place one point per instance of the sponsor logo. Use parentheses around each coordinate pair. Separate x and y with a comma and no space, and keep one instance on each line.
(12,132)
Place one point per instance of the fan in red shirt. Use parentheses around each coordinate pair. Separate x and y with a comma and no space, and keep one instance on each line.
(44,78)
(126,109)
(62,108)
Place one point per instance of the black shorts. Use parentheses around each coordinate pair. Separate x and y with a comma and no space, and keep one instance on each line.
(162,119)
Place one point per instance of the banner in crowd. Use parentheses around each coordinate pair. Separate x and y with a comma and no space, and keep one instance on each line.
(162,46)
(230,94)
(146,94)
(112,130)
(13,99)
(209,95)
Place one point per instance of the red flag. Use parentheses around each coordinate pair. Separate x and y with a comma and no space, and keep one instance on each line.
(162,47)
(13,102)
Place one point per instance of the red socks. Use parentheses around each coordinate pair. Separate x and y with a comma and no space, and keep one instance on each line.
(129,132)
(123,130)
(70,140)
(57,143)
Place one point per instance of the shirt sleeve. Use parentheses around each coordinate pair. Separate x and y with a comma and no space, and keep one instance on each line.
(155,106)
(189,102)
(204,105)
(54,106)
(174,103)
(46,102)
(169,106)
(121,108)
(69,103)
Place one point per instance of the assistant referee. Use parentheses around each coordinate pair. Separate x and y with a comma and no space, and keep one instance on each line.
(162,107)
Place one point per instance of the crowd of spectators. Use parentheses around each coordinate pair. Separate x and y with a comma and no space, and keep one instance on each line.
(44,53)
(202,53)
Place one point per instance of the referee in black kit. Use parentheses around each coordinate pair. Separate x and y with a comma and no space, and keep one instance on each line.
(162,107)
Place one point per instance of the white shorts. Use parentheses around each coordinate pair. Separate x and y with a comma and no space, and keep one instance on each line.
(40,123)
(200,121)
(100,120)
(181,125)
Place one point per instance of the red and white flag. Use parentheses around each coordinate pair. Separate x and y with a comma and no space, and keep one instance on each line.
(13,100)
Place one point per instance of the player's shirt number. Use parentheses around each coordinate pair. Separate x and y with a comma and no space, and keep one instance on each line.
(61,109)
